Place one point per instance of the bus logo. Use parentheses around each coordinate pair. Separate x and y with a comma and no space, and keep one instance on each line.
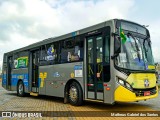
(42,76)
(146,83)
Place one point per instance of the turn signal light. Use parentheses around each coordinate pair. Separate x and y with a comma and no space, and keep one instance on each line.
(107,88)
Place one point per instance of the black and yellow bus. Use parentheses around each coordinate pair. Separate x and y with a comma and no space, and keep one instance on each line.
(107,62)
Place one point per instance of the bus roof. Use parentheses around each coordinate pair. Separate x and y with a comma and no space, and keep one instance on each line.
(62,37)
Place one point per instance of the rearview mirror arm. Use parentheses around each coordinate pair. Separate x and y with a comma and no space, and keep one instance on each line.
(114,34)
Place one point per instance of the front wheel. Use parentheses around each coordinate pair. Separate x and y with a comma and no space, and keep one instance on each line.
(20,89)
(75,94)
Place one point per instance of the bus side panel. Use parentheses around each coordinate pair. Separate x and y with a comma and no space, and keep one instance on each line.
(19,74)
(53,78)
(109,94)
(4,80)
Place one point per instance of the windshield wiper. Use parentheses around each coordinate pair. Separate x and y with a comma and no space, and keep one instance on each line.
(136,45)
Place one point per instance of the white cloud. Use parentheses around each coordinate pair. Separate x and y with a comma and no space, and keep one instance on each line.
(156,51)
(27,21)
(155,38)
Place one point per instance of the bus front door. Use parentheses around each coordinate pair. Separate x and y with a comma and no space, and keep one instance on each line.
(95,67)
(9,70)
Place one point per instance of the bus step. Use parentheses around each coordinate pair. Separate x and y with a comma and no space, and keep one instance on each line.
(34,89)
(101,101)
(33,94)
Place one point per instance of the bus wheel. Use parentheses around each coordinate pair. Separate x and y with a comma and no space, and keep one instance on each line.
(20,89)
(75,94)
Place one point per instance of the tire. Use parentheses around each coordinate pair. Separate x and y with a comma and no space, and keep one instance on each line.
(75,94)
(20,89)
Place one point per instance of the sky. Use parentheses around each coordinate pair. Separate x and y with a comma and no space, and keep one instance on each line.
(24,22)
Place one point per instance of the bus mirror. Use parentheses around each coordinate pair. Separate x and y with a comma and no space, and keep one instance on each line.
(117,45)
(117,48)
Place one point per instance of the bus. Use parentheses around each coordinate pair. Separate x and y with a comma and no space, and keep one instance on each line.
(108,62)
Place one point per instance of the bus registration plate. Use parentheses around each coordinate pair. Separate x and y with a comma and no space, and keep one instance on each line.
(146,93)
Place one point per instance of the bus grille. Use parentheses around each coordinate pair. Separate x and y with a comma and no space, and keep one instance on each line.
(140,92)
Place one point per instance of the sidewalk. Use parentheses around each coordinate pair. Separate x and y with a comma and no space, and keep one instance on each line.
(9,101)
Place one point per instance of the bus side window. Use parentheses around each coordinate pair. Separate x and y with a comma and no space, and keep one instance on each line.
(81,49)
(15,57)
(51,54)
(71,50)
(20,60)
(48,54)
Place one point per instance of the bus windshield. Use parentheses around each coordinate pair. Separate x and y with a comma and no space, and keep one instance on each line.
(136,54)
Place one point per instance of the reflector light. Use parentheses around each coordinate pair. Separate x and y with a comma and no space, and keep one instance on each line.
(107,88)
(90,84)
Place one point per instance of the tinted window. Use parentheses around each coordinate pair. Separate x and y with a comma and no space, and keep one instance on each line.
(71,50)
(20,60)
(133,27)
(48,54)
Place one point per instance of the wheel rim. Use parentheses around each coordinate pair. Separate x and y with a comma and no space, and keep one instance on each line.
(20,89)
(73,94)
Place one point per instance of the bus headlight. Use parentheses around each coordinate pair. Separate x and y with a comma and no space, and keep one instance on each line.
(125,84)
(121,81)
(128,86)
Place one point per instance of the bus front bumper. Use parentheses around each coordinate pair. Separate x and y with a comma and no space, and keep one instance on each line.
(124,95)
